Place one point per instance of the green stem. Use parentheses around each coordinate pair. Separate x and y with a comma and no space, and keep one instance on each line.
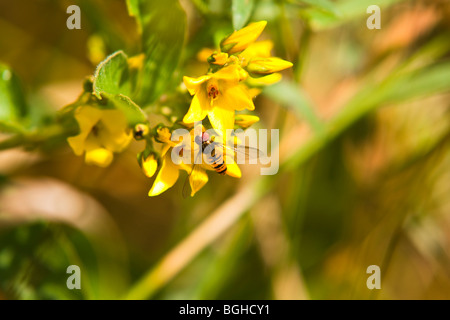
(12,142)
(35,138)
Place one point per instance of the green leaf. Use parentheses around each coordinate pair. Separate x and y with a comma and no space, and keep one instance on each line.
(290,95)
(134,11)
(12,101)
(112,80)
(10,127)
(163,25)
(113,76)
(398,88)
(324,5)
(346,10)
(132,111)
(241,11)
(395,89)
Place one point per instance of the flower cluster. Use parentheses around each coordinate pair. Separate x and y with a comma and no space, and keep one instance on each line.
(236,72)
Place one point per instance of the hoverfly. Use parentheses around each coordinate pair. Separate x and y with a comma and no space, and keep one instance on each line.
(213,152)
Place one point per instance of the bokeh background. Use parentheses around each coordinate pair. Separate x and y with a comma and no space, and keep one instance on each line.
(364,153)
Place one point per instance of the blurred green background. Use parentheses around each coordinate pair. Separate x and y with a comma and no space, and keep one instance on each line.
(364,152)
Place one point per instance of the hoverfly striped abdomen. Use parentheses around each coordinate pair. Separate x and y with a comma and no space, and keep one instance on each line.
(215,159)
(213,153)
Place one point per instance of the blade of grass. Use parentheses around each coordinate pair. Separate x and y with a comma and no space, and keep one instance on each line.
(292,97)
(207,232)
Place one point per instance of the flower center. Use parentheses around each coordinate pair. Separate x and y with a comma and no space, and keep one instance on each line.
(96,128)
(213,91)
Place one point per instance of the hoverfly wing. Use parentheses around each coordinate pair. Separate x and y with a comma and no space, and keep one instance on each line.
(249,153)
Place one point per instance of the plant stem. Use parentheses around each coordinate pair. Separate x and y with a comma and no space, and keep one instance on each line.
(35,138)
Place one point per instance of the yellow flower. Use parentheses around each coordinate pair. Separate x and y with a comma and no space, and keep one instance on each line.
(264,66)
(169,172)
(218,95)
(102,132)
(239,40)
(167,175)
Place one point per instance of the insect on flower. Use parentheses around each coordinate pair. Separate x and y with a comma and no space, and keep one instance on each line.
(214,154)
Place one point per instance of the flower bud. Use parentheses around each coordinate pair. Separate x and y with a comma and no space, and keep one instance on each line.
(245,120)
(263,81)
(264,66)
(239,40)
(218,58)
(162,134)
(149,165)
(204,54)
(140,130)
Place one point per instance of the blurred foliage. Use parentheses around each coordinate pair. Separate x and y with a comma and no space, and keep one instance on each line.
(364,155)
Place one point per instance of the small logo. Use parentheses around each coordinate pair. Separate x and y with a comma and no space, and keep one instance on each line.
(74,20)
(74,281)
(373,282)
(374,21)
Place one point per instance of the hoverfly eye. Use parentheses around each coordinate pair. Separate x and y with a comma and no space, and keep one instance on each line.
(205,136)
(198,140)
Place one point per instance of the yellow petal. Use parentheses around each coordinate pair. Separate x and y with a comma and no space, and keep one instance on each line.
(86,117)
(77,144)
(194,84)
(233,170)
(165,149)
(114,133)
(253,92)
(198,109)
(237,98)
(100,157)
(197,180)
(221,119)
(241,39)
(166,178)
